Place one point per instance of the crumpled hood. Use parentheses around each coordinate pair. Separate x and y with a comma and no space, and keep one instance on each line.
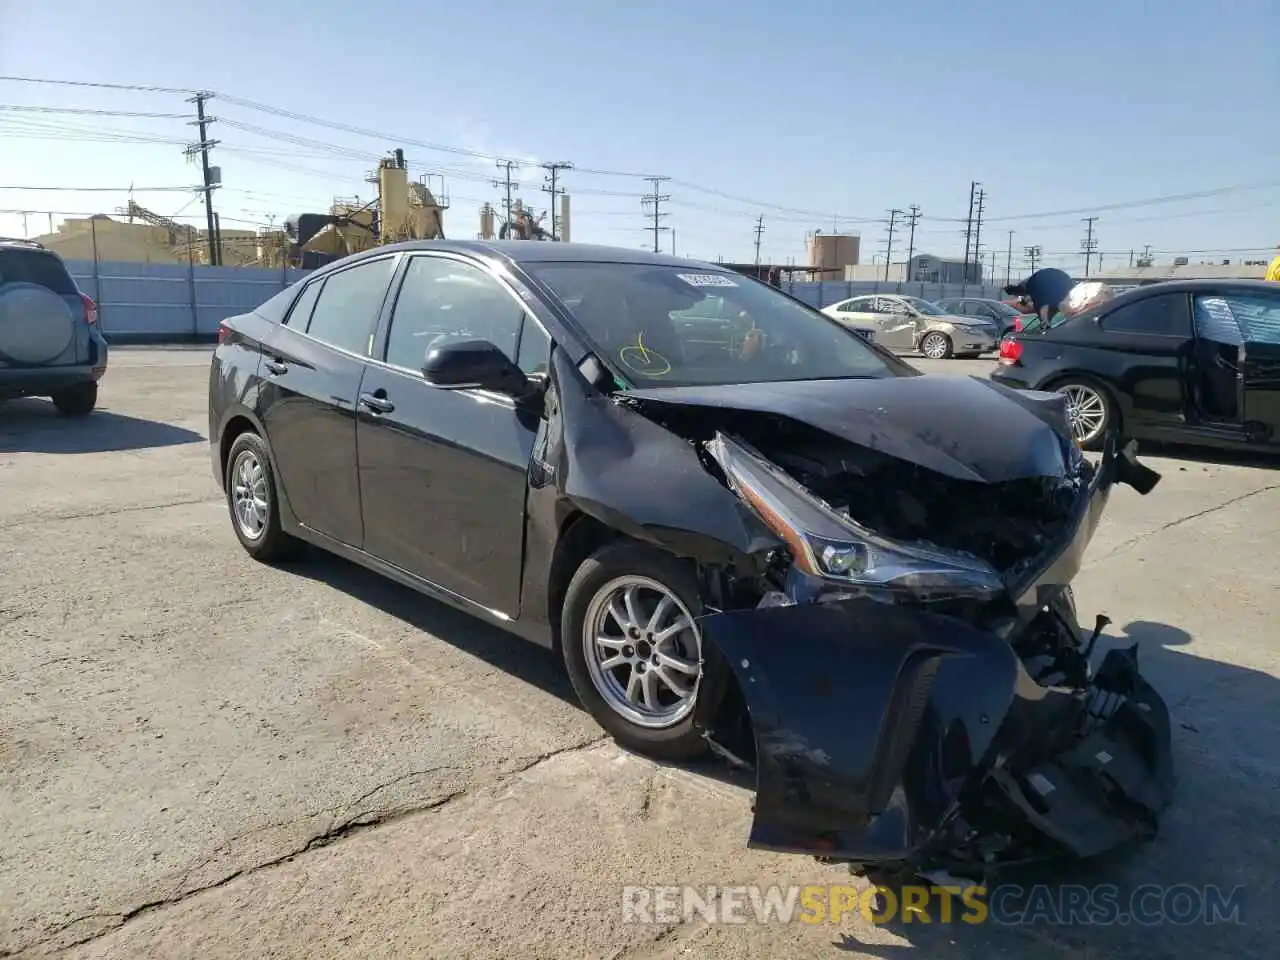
(963,427)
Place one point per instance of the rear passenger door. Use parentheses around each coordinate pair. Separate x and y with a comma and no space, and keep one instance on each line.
(310,371)
(1149,348)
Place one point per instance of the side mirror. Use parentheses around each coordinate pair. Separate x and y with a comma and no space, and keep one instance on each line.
(459,364)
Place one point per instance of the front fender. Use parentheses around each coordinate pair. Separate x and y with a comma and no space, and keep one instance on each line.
(868,719)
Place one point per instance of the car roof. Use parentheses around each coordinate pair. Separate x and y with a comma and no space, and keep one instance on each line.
(1188,286)
(535,251)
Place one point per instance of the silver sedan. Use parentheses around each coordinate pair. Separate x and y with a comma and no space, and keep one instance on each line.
(911,324)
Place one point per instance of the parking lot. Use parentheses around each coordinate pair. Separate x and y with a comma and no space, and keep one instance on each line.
(204,756)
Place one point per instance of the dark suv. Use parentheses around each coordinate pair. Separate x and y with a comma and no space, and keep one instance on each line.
(50,344)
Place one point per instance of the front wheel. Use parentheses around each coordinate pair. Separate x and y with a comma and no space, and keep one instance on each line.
(633,648)
(936,346)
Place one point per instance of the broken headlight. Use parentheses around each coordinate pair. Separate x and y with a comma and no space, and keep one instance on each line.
(836,548)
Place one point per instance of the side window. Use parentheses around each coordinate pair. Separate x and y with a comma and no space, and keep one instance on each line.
(448,298)
(854,306)
(300,315)
(535,348)
(892,307)
(348,306)
(1255,316)
(1165,315)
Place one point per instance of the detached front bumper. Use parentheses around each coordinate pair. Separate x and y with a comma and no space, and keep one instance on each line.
(887,736)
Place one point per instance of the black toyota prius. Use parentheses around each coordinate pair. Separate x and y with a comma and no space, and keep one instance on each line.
(745,530)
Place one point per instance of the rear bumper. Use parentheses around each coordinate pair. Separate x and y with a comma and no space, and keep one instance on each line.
(41,381)
(1010,376)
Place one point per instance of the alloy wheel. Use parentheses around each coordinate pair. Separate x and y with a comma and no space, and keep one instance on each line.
(249,495)
(643,651)
(934,346)
(1086,412)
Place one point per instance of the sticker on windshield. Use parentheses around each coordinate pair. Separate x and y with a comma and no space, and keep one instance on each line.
(707,280)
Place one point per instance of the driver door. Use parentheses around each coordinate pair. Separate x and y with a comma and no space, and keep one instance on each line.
(444,473)
(897,324)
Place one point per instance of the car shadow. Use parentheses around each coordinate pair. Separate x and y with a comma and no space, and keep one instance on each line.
(1218,839)
(1210,455)
(34,426)
(504,651)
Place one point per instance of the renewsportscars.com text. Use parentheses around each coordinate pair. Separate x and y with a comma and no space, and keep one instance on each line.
(1005,905)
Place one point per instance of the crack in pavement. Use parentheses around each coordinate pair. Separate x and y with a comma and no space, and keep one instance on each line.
(347,827)
(94,514)
(1133,541)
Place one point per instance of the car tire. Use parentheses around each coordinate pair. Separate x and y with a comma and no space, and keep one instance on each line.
(250,485)
(936,346)
(77,401)
(665,733)
(1088,395)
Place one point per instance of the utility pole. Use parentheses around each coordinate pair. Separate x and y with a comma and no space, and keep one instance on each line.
(553,169)
(1089,245)
(912,220)
(968,228)
(210,182)
(977,230)
(508,166)
(1033,256)
(1008,261)
(654,201)
(759,230)
(888,247)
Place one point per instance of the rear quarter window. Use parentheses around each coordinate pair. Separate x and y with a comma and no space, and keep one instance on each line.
(35,266)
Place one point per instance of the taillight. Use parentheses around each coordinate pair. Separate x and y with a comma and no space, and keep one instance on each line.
(1010,351)
(90,308)
(223,332)
(1017,324)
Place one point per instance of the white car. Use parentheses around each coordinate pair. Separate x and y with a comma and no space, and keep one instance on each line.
(905,324)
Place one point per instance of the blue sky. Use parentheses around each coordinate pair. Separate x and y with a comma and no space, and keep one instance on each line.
(814,114)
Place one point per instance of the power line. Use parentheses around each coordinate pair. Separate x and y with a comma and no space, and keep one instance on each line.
(968,228)
(101,86)
(1033,255)
(86,112)
(759,231)
(102,189)
(654,202)
(1008,261)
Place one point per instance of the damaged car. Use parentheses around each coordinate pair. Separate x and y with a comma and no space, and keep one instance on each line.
(761,537)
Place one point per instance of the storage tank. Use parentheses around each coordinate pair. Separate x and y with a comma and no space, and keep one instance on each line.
(834,250)
(486,222)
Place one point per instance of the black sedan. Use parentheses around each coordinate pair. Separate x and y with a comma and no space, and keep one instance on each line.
(1189,361)
(1005,318)
(766,538)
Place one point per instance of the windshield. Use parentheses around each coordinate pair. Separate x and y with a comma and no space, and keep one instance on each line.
(658,326)
(924,307)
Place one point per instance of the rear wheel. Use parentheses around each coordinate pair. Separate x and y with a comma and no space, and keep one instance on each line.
(251,499)
(77,401)
(936,346)
(633,648)
(1090,411)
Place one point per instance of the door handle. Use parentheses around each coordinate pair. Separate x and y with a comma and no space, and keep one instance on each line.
(276,367)
(376,404)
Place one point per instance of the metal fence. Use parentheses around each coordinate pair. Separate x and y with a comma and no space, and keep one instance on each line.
(173,302)
(176,302)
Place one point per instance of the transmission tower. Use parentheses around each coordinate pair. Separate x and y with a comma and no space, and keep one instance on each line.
(654,202)
(1033,256)
(912,219)
(1089,245)
(888,246)
(549,186)
(759,231)
(977,230)
(507,166)
(211,182)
